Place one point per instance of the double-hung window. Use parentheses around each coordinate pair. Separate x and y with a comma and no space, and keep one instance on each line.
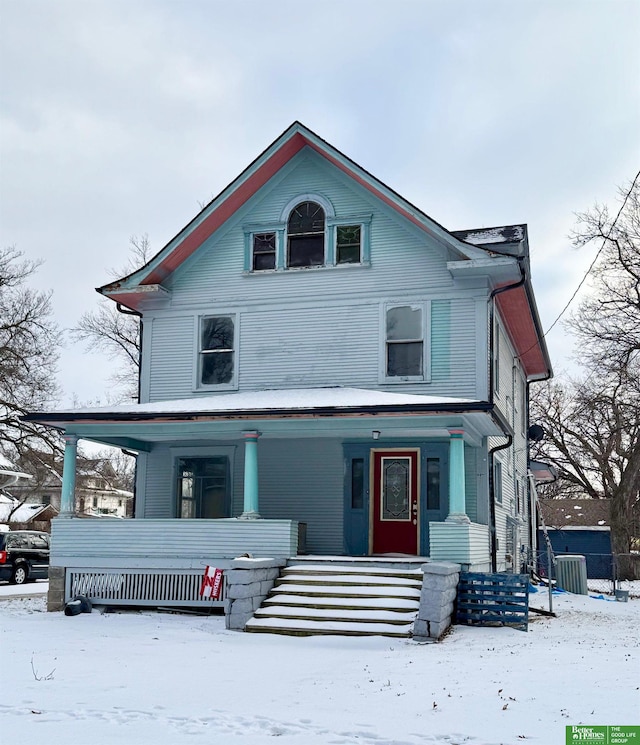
(406,342)
(305,235)
(217,363)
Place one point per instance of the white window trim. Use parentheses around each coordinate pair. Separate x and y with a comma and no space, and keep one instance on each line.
(496,359)
(332,222)
(233,384)
(425,305)
(329,211)
(498,493)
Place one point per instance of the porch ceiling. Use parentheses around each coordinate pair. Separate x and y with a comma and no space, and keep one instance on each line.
(324,412)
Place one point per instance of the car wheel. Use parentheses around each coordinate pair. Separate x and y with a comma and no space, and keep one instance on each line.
(20,575)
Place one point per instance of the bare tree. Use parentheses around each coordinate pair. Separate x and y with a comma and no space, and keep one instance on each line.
(593,423)
(106,329)
(607,322)
(29,346)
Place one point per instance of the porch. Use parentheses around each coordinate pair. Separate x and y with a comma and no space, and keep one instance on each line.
(155,563)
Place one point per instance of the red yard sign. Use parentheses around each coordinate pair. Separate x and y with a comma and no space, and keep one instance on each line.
(211,586)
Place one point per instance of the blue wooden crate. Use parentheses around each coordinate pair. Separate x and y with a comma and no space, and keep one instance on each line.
(490,599)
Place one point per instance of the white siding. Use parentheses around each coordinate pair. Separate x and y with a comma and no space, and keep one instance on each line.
(308,489)
(318,326)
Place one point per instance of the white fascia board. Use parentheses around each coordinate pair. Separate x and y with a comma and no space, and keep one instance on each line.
(499,269)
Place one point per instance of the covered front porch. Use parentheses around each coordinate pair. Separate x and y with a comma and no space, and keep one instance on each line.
(328,471)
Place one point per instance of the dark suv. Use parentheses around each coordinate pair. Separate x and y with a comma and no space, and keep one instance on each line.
(24,555)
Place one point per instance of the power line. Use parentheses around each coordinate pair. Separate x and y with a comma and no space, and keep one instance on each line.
(604,242)
(597,256)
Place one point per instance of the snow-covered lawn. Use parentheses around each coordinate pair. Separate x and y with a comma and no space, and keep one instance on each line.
(165,679)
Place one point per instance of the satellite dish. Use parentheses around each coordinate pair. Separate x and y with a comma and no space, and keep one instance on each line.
(535,433)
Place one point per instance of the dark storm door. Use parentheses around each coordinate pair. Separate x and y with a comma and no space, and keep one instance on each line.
(395,508)
(203,487)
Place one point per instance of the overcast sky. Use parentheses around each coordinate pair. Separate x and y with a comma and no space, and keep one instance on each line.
(120,117)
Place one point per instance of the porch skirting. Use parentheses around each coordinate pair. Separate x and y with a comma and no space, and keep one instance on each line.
(154,562)
(463,543)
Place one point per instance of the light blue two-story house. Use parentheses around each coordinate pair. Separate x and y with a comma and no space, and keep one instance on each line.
(324,369)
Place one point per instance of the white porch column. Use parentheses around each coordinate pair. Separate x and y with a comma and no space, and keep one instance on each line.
(250,511)
(457,497)
(68,497)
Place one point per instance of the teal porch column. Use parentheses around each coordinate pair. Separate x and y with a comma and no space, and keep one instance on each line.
(457,497)
(68,497)
(250,511)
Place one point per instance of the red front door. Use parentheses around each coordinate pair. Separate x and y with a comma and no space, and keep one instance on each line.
(395,502)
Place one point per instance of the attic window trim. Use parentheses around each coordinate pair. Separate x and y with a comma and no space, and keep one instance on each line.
(253,233)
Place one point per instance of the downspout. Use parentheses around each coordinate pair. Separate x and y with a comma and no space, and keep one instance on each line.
(128,312)
(492,496)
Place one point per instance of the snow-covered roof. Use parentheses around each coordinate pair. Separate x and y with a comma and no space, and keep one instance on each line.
(576,513)
(24,514)
(289,399)
(488,236)
(9,474)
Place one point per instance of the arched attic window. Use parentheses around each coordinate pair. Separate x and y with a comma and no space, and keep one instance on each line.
(305,235)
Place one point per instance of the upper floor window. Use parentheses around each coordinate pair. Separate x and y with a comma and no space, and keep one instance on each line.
(348,244)
(305,235)
(217,350)
(406,342)
(497,481)
(264,251)
(308,234)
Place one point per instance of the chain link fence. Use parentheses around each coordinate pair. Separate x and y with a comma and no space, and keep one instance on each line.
(606,573)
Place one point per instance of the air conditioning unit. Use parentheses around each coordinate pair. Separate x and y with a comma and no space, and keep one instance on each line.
(571,574)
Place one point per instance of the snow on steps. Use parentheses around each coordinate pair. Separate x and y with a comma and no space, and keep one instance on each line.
(346,600)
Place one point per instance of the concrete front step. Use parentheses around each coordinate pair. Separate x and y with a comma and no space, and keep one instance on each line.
(346,591)
(295,627)
(362,615)
(330,598)
(370,571)
(348,603)
(340,579)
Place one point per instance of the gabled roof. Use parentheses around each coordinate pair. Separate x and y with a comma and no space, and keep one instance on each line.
(25,513)
(145,281)
(474,249)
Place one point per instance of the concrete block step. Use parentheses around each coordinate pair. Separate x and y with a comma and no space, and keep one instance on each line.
(350,579)
(363,615)
(351,603)
(364,591)
(296,627)
(370,571)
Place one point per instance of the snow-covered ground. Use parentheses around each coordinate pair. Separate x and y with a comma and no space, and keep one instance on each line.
(136,678)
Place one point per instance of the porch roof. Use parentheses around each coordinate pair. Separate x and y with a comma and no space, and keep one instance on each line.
(307,412)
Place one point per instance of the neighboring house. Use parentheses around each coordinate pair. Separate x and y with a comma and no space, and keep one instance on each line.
(19,516)
(10,474)
(321,361)
(96,489)
(13,513)
(580,526)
